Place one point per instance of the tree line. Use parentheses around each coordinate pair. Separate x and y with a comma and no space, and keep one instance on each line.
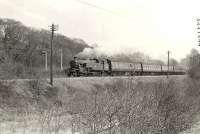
(21,47)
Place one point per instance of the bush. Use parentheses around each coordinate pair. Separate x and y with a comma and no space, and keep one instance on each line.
(123,106)
(10,70)
(194,72)
(130,108)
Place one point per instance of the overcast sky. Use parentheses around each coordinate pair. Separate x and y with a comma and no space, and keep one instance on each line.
(150,26)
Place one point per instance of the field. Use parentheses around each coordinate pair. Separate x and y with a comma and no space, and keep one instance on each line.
(99,105)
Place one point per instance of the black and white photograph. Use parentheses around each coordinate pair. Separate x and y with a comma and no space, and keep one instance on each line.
(99,67)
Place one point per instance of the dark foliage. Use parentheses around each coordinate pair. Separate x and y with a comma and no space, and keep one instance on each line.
(23,46)
(129,107)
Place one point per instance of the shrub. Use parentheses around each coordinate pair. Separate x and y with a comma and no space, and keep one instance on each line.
(130,107)
(194,72)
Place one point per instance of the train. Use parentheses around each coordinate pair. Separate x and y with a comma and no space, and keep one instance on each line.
(106,67)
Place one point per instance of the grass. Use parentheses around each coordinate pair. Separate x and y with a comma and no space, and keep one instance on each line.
(123,106)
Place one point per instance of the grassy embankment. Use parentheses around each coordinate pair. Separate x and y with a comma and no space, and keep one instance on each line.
(96,105)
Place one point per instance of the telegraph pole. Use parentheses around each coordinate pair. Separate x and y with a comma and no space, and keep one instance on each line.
(45,54)
(53,28)
(61,59)
(168,64)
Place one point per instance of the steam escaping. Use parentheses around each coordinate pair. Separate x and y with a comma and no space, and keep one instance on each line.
(96,51)
(99,52)
(93,52)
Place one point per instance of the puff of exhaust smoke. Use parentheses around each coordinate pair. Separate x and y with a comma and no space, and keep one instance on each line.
(93,52)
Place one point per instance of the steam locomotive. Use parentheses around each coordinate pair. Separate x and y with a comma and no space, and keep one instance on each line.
(106,67)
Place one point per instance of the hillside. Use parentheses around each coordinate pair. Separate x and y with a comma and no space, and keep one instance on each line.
(21,49)
(128,104)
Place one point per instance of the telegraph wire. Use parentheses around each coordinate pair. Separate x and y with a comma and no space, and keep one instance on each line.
(103,9)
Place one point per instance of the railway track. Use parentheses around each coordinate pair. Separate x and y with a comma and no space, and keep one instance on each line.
(97,77)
